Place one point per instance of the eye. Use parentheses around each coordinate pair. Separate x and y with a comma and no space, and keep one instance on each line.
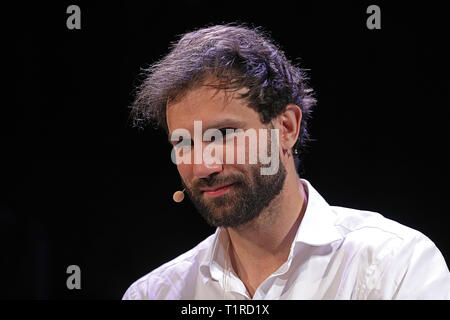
(224,131)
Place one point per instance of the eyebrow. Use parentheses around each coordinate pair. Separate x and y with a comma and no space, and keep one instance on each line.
(218,125)
(226,123)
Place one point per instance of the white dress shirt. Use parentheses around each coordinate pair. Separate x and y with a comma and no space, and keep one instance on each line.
(337,253)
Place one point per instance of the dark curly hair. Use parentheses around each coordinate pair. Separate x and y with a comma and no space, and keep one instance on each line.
(239,57)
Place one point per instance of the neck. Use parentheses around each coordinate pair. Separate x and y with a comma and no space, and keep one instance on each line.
(261,246)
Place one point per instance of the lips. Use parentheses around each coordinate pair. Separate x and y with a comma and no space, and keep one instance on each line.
(217,190)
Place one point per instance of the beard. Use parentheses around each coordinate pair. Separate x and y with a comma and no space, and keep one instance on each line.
(249,195)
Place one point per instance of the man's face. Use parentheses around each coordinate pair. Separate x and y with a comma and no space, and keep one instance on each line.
(226,194)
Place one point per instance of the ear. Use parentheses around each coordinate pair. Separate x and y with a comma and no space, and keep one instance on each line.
(289,125)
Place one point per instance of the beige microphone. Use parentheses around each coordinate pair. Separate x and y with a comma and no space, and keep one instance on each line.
(178,196)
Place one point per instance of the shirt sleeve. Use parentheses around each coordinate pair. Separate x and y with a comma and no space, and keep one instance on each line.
(139,290)
(152,287)
(419,271)
(130,294)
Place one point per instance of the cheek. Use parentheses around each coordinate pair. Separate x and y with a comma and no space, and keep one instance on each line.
(185,171)
(242,150)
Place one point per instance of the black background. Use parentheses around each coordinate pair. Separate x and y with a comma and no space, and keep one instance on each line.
(82,187)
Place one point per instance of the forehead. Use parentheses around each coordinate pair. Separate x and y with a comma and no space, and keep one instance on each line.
(211,106)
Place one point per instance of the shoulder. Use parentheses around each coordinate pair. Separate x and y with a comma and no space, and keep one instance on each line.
(393,260)
(375,236)
(371,226)
(169,280)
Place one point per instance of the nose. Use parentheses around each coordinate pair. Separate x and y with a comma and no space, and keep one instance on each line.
(204,170)
(207,166)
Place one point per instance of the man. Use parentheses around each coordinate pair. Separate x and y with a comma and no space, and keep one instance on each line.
(276,237)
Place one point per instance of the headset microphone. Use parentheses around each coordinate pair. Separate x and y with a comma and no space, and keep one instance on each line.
(178,196)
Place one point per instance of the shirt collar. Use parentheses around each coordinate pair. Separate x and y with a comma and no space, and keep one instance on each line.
(317,228)
(215,263)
